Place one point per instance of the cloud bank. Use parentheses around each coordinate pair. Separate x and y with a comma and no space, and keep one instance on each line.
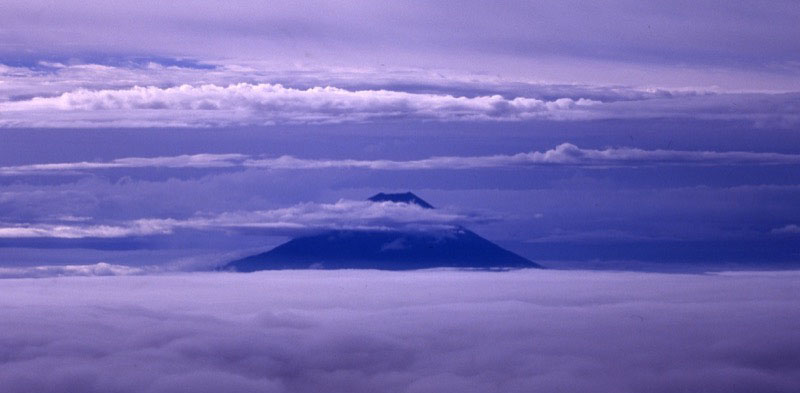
(212,105)
(264,103)
(433,331)
(48,79)
(564,154)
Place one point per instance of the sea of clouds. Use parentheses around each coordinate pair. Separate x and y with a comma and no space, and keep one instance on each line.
(424,331)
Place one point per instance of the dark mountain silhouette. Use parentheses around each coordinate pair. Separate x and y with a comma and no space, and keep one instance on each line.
(404,197)
(386,250)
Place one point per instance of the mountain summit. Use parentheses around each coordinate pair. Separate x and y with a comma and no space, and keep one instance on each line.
(385,250)
(406,197)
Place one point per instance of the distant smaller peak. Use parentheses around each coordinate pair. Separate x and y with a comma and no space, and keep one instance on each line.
(405,197)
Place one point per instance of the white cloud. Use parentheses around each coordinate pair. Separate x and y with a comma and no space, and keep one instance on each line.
(430,331)
(344,214)
(182,161)
(145,227)
(264,103)
(563,154)
(256,92)
(97,269)
(21,83)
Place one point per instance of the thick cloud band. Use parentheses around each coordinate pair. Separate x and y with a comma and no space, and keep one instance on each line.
(270,103)
(265,104)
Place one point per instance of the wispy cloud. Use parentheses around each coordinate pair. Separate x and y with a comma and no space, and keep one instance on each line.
(146,227)
(181,161)
(344,214)
(548,40)
(788,229)
(563,154)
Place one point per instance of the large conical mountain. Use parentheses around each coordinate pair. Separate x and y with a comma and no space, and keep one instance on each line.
(387,250)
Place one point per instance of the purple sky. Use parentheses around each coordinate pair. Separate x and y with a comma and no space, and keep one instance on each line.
(188,133)
(738,45)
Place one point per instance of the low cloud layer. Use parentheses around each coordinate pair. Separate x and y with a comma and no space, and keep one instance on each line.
(563,154)
(433,331)
(344,214)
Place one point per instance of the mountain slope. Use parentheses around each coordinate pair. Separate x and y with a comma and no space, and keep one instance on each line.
(386,250)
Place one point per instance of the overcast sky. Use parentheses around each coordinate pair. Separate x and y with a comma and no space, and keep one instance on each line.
(737,45)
